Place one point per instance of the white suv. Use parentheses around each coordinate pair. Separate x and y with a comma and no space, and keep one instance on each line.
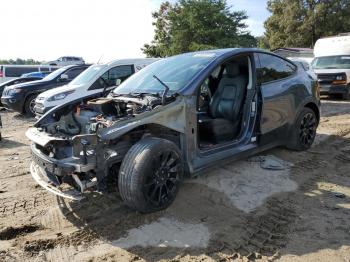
(97,80)
(67,60)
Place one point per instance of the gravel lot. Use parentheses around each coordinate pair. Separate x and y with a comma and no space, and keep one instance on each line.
(234,212)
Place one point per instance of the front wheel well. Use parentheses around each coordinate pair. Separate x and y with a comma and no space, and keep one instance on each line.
(314,108)
(136,135)
(26,99)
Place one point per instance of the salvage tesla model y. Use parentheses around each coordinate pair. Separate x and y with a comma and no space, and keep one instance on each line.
(173,119)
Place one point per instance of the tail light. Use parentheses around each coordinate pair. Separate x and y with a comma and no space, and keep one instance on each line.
(1,74)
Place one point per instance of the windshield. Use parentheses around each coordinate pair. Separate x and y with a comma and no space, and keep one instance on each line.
(332,62)
(55,73)
(87,75)
(176,72)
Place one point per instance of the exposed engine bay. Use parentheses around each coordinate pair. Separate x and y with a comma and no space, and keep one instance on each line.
(96,114)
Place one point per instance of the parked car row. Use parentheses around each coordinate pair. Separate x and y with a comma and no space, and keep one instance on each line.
(21,97)
(96,81)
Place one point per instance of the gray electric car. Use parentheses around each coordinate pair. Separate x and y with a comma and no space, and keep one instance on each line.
(173,119)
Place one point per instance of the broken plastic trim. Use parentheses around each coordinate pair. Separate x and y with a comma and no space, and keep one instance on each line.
(38,173)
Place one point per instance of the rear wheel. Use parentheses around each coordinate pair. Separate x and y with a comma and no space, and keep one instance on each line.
(150,175)
(304,130)
(29,105)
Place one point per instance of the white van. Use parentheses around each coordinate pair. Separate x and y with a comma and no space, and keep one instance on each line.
(332,65)
(9,72)
(97,80)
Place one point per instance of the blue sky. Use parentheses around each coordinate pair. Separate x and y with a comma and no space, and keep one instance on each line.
(257,12)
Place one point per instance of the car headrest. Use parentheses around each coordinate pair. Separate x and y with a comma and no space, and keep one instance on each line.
(232,70)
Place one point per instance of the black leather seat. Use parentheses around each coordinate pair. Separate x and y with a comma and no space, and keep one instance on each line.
(225,107)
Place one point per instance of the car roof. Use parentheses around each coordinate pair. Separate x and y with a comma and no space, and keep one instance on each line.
(216,53)
(72,56)
(72,66)
(131,61)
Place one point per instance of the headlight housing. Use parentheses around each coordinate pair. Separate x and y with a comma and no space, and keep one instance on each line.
(60,96)
(340,78)
(13,91)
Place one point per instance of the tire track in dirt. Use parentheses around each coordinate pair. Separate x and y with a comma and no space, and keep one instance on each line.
(267,234)
(10,208)
(77,238)
(13,232)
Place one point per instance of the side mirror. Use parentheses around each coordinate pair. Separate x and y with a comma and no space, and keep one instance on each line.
(63,78)
(118,82)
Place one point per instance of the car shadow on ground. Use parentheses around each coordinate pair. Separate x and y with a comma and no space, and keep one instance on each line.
(204,221)
(7,143)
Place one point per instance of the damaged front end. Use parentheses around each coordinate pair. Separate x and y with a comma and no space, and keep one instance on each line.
(75,147)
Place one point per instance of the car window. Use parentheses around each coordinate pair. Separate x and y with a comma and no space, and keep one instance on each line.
(73,73)
(18,71)
(176,72)
(273,68)
(111,76)
(331,62)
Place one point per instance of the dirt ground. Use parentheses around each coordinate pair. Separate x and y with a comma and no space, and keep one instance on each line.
(239,211)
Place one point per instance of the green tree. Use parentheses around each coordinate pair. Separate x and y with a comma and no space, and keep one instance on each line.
(192,25)
(300,23)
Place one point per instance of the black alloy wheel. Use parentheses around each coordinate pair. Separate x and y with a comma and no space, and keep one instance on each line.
(161,187)
(150,174)
(307,131)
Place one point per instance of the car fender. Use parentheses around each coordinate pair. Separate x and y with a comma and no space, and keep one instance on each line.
(309,100)
(171,116)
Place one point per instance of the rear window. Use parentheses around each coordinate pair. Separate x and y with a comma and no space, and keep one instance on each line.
(18,71)
(273,68)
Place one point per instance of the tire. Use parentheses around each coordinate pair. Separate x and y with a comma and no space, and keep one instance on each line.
(29,105)
(303,132)
(150,175)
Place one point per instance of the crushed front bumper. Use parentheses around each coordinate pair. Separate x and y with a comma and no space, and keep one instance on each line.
(42,178)
(47,172)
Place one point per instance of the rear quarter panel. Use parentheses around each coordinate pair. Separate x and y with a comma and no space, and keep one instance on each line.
(282,100)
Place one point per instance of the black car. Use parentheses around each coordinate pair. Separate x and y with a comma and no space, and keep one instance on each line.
(174,118)
(16,81)
(21,97)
